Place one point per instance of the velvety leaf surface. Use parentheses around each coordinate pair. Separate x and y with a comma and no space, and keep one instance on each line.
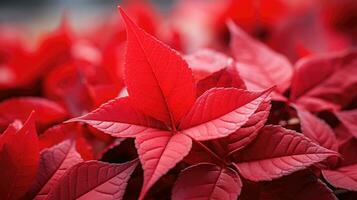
(19,157)
(227,77)
(325,82)
(159,81)
(220,111)
(53,164)
(207,181)
(343,177)
(159,151)
(118,118)
(269,68)
(277,152)
(102,181)
(316,129)
(46,111)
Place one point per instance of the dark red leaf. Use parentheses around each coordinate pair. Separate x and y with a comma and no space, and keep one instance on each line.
(325,82)
(316,129)
(207,181)
(302,185)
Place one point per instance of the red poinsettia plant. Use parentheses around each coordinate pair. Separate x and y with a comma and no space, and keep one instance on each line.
(127,116)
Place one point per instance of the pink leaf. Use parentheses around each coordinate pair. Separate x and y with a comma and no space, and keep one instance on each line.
(343,177)
(159,151)
(53,164)
(220,112)
(94,180)
(316,129)
(19,157)
(159,81)
(207,181)
(326,81)
(277,152)
(253,57)
(118,118)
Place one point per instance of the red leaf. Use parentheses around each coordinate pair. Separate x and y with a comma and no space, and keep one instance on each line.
(348,151)
(227,77)
(325,82)
(59,133)
(19,157)
(53,164)
(269,68)
(343,177)
(102,180)
(207,181)
(302,185)
(159,81)
(46,111)
(118,118)
(103,93)
(349,120)
(316,129)
(220,112)
(277,152)
(204,62)
(160,151)
(249,131)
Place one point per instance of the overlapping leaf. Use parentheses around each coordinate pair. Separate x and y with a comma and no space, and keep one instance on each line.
(53,164)
(108,181)
(325,82)
(220,111)
(207,181)
(119,118)
(277,152)
(343,177)
(160,151)
(19,156)
(349,120)
(316,129)
(269,68)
